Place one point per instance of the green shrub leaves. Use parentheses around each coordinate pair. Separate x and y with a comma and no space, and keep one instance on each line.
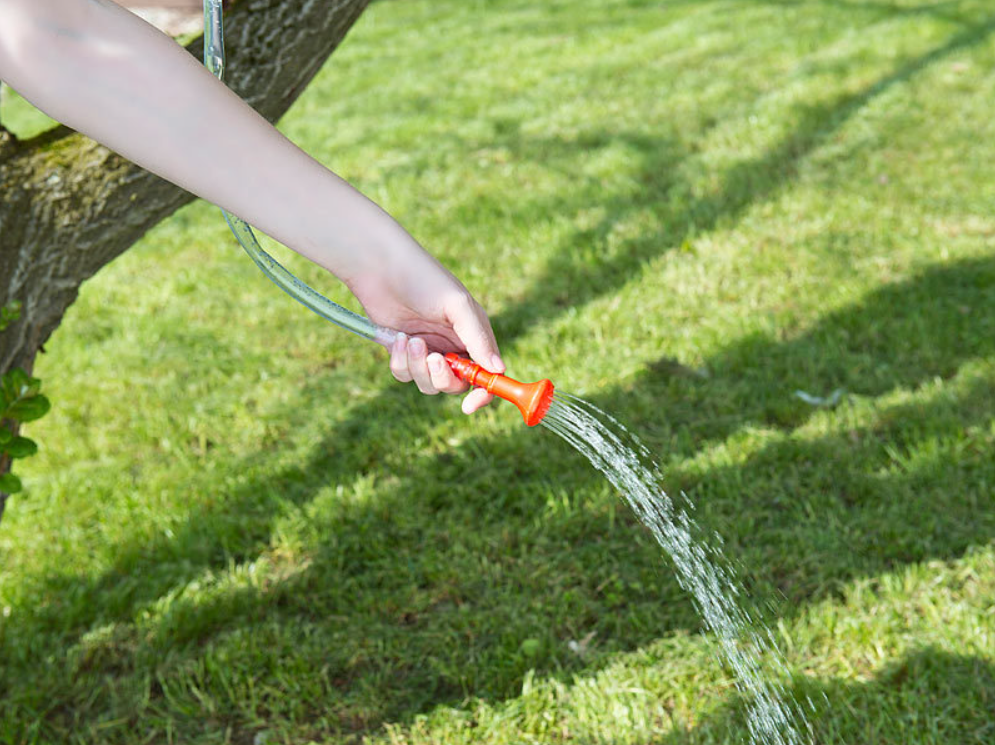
(20,447)
(20,401)
(9,483)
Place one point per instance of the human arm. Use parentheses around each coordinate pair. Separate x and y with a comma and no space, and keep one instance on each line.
(110,75)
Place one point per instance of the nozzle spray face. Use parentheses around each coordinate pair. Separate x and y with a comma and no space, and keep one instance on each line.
(532,399)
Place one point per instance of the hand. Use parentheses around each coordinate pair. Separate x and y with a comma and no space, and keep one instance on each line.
(434,314)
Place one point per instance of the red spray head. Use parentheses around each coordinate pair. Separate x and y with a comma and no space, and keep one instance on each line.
(532,399)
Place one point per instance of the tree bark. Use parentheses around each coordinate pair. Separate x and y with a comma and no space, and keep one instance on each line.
(69,205)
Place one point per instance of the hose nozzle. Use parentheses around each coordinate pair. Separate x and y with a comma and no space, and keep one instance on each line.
(532,399)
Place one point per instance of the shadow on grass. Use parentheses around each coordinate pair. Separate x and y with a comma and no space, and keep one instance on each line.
(446,603)
(929,696)
(899,336)
(583,269)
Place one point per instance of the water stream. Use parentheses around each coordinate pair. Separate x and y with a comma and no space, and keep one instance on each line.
(702,570)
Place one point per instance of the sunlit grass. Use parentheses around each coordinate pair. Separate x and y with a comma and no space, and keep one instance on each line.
(240,529)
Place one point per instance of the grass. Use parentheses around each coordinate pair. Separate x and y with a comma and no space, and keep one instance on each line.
(239,529)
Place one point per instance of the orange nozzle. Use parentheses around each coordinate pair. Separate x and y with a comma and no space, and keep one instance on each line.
(532,399)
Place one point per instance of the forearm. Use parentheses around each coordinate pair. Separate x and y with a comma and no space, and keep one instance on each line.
(111,76)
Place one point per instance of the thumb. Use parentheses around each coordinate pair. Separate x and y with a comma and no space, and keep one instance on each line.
(473,328)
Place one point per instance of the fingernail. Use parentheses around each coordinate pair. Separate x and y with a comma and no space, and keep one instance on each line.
(400,339)
(435,363)
(496,364)
(417,347)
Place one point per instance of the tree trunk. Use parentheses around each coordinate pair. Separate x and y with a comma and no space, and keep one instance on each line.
(69,206)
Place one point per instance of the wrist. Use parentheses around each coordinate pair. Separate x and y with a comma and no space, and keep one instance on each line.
(382,253)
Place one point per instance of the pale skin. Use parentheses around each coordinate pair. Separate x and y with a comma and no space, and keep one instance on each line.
(103,71)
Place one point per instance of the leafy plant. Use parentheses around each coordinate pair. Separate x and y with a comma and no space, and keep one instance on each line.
(20,401)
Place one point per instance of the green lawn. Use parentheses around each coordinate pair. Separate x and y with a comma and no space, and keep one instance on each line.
(241,529)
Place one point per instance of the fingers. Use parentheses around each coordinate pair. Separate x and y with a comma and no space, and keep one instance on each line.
(418,366)
(410,360)
(476,399)
(399,358)
(443,378)
(473,327)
